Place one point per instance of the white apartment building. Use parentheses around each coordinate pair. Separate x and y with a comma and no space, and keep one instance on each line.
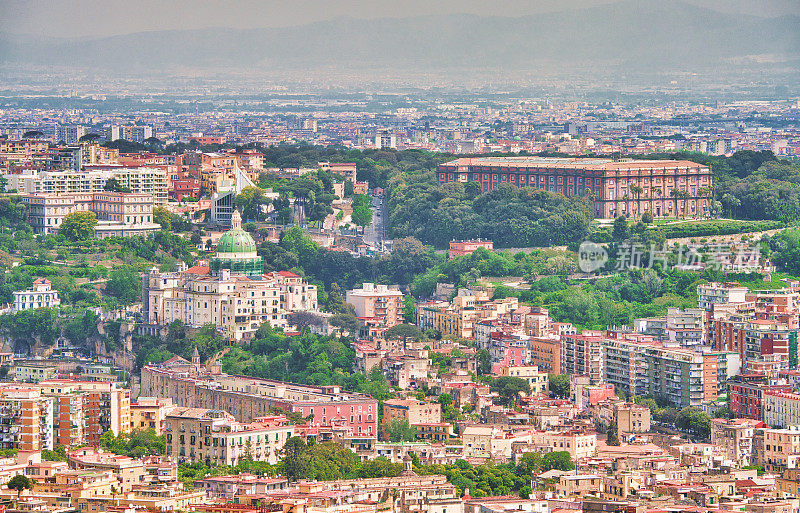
(141,180)
(781,409)
(40,295)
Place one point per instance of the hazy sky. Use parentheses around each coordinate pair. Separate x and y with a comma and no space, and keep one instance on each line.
(82,18)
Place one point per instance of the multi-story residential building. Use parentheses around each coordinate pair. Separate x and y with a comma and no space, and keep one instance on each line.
(746,394)
(69,134)
(100,405)
(411,411)
(381,302)
(537,379)
(710,294)
(631,418)
(139,180)
(666,188)
(736,436)
(582,355)
(781,408)
(40,295)
(578,444)
(192,385)
(26,419)
(34,371)
(215,437)
(118,213)
(545,353)
(781,449)
(296,294)
(150,413)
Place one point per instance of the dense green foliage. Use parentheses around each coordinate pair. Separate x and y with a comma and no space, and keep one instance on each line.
(694,421)
(136,444)
(508,215)
(297,252)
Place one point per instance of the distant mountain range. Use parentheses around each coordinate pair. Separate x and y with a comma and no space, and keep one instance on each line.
(639,35)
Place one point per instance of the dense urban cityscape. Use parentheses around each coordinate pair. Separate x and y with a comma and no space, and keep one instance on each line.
(417,258)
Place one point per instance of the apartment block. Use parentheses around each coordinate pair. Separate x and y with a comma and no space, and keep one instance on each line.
(26,419)
(383,303)
(118,213)
(150,413)
(215,437)
(411,411)
(736,436)
(194,386)
(583,355)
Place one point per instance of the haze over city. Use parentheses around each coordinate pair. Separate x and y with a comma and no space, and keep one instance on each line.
(400,256)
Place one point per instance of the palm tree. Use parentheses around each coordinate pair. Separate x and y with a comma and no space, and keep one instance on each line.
(636,190)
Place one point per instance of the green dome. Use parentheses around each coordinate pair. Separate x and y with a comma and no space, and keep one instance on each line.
(236,241)
(236,250)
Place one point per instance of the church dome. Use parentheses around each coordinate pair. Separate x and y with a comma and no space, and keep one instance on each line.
(236,241)
(236,250)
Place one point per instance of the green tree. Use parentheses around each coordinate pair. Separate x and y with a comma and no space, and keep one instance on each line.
(647,217)
(293,462)
(559,385)
(163,217)
(78,225)
(621,230)
(559,460)
(404,331)
(329,461)
(694,421)
(401,431)
(509,388)
(484,361)
(409,310)
(612,435)
(250,203)
(20,482)
(113,185)
(529,463)
(124,283)
(361,216)
(722,413)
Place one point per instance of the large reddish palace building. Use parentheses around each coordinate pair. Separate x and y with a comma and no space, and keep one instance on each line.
(666,188)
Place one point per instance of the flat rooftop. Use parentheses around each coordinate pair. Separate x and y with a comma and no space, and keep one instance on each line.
(571,163)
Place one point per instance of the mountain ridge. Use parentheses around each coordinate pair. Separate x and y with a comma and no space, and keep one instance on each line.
(631,34)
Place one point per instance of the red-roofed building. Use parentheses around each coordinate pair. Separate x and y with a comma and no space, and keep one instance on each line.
(607,180)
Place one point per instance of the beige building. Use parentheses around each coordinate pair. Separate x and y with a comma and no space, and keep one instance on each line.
(781,449)
(579,484)
(215,437)
(150,412)
(93,178)
(40,295)
(117,212)
(632,418)
(375,301)
(736,436)
(530,373)
(579,445)
(411,411)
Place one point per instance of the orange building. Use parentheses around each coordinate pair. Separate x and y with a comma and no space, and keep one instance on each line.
(545,353)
